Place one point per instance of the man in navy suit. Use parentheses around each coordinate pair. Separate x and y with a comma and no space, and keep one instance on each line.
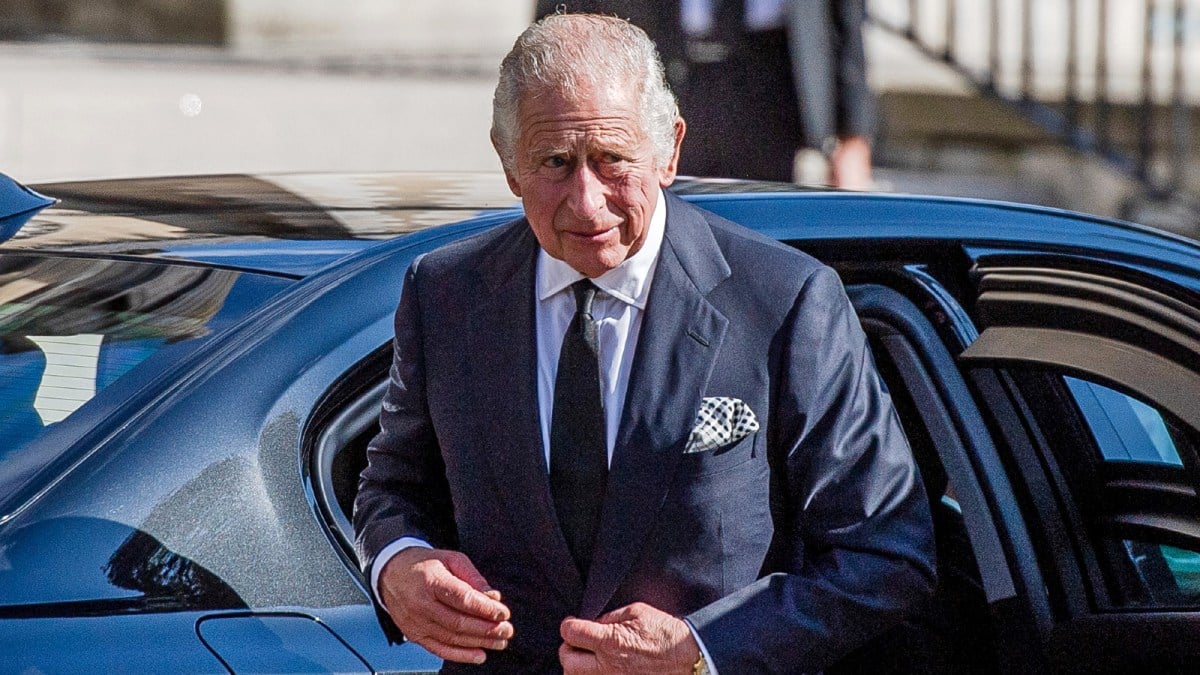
(743,499)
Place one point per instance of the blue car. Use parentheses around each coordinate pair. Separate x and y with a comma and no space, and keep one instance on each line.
(190,369)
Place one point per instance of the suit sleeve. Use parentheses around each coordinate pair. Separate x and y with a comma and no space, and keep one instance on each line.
(855,102)
(403,491)
(853,547)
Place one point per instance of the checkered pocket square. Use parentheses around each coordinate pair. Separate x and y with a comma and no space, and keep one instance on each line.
(720,421)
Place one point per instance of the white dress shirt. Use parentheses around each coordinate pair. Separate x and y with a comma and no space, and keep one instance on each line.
(617,310)
(697,15)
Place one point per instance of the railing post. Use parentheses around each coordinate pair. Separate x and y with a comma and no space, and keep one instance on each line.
(993,78)
(1179,112)
(951,20)
(1145,145)
(1071,96)
(1101,103)
(1027,50)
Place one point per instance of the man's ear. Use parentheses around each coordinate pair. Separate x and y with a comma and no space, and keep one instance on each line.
(666,173)
(508,176)
(512,184)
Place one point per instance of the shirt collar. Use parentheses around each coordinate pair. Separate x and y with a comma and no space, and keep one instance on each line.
(628,282)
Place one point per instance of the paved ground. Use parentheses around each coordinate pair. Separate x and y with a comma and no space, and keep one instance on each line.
(81,111)
(87,112)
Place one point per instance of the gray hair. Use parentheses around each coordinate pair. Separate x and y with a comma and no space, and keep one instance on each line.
(565,52)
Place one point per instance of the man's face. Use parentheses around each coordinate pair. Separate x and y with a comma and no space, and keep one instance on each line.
(586,173)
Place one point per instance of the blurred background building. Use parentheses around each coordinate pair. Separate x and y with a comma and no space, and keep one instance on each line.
(1092,105)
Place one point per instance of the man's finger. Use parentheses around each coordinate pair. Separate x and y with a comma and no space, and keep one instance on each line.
(457,640)
(624,613)
(451,652)
(578,661)
(441,623)
(582,634)
(458,594)
(460,623)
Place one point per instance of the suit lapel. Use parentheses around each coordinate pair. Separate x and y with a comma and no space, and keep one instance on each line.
(680,336)
(502,331)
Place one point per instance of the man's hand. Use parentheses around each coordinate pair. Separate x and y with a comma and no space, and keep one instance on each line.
(441,602)
(636,638)
(850,164)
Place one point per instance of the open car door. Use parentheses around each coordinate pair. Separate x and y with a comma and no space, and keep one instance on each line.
(1092,372)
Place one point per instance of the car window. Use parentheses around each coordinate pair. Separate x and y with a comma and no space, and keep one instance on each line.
(72,327)
(1138,441)
(1166,576)
(1126,470)
(1123,427)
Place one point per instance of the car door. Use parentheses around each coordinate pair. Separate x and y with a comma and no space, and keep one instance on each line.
(1090,372)
(990,594)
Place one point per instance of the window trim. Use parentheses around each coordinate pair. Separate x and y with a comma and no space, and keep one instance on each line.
(1123,366)
(350,422)
(952,426)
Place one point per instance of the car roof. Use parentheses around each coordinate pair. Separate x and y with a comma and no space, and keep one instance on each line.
(297,223)
(289,224)
(286,224)
(909,222)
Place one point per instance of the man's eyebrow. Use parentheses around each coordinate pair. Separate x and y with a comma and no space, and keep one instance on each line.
(541,149)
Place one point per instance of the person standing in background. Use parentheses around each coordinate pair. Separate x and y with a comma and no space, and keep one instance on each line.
(759,79)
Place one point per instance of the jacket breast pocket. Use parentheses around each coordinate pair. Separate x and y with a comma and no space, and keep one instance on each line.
(719,509)
(723,458)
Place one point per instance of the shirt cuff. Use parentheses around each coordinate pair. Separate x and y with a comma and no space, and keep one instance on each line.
(390,552)
(712,667)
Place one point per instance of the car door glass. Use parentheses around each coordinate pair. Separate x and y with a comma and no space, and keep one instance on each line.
(1185,568)
(1131,432)
(1125,470)
(1167,576)
(1124,428)
(72,327)
(59,561)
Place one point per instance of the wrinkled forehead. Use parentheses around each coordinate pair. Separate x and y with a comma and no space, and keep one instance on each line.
(551,116)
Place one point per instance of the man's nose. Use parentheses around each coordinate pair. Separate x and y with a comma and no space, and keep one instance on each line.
(587,196)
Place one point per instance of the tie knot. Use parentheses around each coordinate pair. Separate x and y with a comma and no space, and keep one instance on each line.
(585,292)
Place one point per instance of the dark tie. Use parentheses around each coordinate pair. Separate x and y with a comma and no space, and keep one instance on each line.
(578,454)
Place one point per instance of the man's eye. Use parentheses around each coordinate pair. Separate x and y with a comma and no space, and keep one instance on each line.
(555,162)
(610,158)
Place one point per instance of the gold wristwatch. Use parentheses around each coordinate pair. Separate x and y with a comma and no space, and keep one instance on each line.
(700,667)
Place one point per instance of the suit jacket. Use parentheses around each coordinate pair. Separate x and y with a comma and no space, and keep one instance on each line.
(785,550)
(825,44)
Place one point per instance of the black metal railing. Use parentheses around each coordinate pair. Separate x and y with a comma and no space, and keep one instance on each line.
(1078,69)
